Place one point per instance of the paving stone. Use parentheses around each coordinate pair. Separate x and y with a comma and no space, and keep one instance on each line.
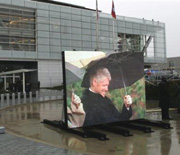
(13,145)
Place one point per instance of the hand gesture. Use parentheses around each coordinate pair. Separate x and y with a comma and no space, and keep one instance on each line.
(127,100)
(76,100)
(76,105)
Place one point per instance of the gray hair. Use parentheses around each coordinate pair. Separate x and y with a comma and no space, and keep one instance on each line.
(99,74)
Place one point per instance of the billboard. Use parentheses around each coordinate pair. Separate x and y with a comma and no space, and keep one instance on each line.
(102,87)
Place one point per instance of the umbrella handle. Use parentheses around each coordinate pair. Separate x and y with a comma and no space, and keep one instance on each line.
(123,80)
(72,89)
(124,87)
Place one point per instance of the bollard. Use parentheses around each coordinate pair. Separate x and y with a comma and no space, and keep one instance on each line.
(24,95)
(30,97)
(56,97)
(43,95)
(61,94)
(7,100)
(2,130)
(13,99)
(50,98)
(19,98)
(37,96)
(2,101)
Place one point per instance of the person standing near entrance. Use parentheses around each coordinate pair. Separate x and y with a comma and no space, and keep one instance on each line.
(164,98)
(177,96)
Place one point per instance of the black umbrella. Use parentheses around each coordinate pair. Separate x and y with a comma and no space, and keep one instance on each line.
(125,68)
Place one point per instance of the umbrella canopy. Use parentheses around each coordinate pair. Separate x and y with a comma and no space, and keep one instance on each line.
(75,63)
(125,68)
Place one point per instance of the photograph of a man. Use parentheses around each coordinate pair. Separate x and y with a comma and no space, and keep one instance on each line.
(98,108)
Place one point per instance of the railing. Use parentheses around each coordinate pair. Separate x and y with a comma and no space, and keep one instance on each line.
(7,100)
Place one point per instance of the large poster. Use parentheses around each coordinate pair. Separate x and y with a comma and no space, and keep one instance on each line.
(103,87)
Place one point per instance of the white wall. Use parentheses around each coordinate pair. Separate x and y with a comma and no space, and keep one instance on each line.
(50,73)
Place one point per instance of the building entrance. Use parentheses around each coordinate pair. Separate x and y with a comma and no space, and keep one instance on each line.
(18,76)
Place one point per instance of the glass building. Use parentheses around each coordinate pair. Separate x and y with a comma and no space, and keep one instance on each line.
(33,34)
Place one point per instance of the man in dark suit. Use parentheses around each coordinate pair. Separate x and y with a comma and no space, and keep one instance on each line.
(164,98)
(98,107)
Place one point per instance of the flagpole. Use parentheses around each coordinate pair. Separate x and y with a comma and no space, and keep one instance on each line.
(97,27)
(113,37)
(114,17)
(97,35)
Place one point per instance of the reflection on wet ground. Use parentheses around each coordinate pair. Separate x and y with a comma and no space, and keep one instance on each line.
(25,120)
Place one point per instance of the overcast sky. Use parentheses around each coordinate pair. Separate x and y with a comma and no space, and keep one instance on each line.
(166,11)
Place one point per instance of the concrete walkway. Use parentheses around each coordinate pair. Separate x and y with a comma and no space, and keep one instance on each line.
(13,145)
(23,124)
(37,138)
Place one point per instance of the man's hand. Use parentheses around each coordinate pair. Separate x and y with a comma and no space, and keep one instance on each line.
(76,105)
(127,101)
(76,100)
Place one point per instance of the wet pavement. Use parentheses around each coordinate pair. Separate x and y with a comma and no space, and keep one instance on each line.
(25,134)
(13,145)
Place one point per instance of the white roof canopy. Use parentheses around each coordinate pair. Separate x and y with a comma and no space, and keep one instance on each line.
(23,71)
(17,71)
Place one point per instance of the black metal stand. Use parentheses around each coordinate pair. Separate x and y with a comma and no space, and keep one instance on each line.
(130,125)
(114,129)
(153,123)
(85,133)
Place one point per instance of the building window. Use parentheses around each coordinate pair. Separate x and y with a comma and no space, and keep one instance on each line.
(129,42)
(17,29)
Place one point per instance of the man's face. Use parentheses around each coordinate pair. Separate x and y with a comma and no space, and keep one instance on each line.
(101,87)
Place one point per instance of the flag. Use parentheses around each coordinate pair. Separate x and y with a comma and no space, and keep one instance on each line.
(113,10)
(97,13)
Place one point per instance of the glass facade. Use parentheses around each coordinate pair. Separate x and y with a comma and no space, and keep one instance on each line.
(47,29)
(17,29)
(40,31)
